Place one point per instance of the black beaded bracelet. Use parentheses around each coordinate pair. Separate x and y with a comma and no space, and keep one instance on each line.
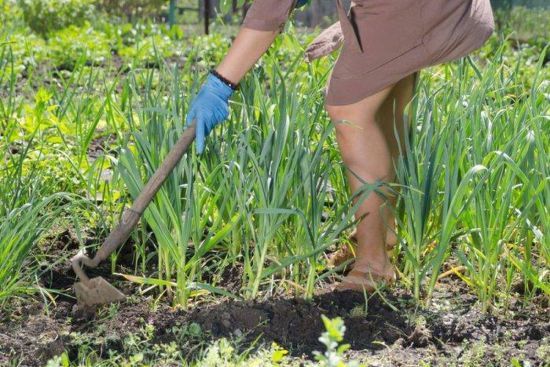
(224,80)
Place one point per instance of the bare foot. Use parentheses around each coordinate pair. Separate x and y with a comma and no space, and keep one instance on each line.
(367,279)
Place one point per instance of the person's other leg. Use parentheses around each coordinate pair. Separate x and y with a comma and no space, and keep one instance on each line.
(367,156)
(392,119)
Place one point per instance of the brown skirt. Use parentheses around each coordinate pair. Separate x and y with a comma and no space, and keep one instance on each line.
(387,40)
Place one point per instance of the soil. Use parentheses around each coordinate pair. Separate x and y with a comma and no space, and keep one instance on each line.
(392,331)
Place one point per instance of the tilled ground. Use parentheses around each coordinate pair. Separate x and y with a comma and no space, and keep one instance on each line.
(387,330)
(392,331)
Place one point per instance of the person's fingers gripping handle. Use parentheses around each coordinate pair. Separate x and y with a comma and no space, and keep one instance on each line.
(209,108)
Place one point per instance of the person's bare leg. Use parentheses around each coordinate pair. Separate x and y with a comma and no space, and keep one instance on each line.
(367,156)
(391,114)
(397,99)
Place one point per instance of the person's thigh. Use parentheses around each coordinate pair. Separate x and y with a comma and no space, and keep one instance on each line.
(362,144)
(358,113)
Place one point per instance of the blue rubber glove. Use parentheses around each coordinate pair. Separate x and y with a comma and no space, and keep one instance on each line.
(209,108)
(301,3)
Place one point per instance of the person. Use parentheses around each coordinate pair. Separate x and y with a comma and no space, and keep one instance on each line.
(385,45)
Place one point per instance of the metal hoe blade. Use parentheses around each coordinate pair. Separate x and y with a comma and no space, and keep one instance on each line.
(96,291)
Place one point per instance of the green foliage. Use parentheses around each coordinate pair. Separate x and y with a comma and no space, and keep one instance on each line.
(46,16)
(226,5)
(289,181)
(331,338)
(528,25)
(132,8)
(474,177)
(23,53)
(473,184)
(144,347)
(9,11)
(19,231)
(31,198)
(69,45)
(149,50)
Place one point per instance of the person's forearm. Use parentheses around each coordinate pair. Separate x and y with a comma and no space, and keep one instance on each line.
(247,48)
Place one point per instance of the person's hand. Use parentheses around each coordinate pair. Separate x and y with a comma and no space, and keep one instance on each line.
(209,108)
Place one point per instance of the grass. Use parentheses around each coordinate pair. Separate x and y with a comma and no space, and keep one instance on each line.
(270,192)
(473,178)
(83,127)
(267,193)
(287,172)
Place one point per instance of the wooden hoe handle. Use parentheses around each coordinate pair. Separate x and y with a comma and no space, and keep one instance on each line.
(130,217)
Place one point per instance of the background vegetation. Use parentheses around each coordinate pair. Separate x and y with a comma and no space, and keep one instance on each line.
(90,104)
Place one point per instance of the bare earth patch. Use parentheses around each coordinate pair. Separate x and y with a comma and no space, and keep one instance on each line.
(393,331)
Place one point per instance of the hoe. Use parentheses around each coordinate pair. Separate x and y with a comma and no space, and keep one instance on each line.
(97,291)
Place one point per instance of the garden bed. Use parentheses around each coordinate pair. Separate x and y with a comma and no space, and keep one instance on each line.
(387,331)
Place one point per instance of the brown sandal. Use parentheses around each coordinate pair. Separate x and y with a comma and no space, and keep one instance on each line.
(367,281)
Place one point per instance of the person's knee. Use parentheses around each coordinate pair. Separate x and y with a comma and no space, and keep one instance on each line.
(337,113)
(355,114)
(341,117)
(347,124)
